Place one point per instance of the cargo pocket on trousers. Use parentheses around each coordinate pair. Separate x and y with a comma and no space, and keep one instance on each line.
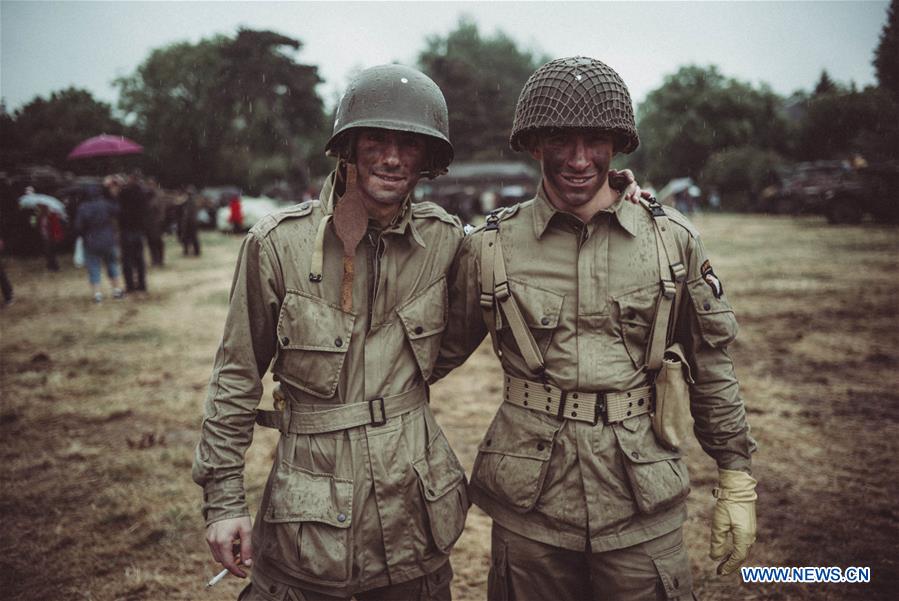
(674,574)
(657,476)
(424,319)
(444,489)
(513,457)
(313,338)
(310,517)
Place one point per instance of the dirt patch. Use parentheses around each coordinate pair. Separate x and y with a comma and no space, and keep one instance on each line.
(101,406)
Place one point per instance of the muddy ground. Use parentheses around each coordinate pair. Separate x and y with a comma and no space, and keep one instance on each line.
(101,406)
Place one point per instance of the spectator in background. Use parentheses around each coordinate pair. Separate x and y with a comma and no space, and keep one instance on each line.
(155,222)
(235,217)
(95,222)
(132,219)
(188,224)
(50,229)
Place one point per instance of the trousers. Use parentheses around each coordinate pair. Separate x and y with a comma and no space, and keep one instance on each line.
(526,570)
(431,587)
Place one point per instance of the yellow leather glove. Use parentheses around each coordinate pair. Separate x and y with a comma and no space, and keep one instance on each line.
(733,520)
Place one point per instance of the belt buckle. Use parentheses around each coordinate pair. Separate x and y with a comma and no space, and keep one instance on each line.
(599,409)
(382,419)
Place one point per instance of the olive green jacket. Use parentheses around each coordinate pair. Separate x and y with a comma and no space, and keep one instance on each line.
(588,295)
(358,508)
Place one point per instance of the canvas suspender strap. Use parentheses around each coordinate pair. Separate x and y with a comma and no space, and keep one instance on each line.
(673,273)
(496,296)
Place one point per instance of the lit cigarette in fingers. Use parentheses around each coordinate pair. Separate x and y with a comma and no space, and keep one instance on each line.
(218,578)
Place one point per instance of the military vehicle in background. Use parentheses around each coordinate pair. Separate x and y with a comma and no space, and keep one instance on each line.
(474,188)
(841,191)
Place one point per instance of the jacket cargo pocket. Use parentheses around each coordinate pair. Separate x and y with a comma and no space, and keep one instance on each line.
(443,487)
(310,516)
(424,319)
(717,323)
(636,311)
(658,477)
(540,309)
(313,338)
(514,456)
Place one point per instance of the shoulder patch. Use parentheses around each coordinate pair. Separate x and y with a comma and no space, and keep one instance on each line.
(430,210)
(271,221)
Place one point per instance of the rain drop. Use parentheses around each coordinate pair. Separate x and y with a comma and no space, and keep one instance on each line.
(404,80)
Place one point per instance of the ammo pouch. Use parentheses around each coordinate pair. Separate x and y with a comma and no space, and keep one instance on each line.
(671,419)
(671,416)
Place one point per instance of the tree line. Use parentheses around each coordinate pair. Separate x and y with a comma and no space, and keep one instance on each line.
(244,110)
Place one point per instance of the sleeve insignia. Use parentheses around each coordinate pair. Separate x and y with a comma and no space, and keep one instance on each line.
(708,275)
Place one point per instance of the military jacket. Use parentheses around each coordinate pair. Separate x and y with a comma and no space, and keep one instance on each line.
(357,508)
(588,294)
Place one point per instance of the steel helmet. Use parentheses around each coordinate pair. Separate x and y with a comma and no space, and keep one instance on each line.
(399,98)
(576,92)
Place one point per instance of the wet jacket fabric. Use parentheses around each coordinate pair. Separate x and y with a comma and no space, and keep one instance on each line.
(588,295)
(96,222)
(353,509)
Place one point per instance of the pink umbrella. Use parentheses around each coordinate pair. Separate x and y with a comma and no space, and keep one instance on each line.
(105,146)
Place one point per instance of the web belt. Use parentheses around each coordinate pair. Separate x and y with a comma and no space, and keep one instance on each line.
(375,412)
(589,407)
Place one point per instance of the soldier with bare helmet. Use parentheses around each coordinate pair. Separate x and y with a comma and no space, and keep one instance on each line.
(605,315)
(344,298)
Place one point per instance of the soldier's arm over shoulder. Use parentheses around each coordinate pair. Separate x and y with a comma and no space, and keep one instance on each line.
(706,326)
(465,328)
(246,350)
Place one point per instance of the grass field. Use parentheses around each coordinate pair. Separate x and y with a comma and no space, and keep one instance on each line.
(101,406)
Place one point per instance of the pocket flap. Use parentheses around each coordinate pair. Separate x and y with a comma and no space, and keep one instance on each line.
(717,322)
(519,432)
(299,495)
(540,308)
(674,572)
(636,445)
(437,482)
(424,314)
(309,323)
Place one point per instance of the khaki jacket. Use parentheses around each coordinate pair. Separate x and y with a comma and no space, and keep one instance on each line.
(356,508)
(588,295)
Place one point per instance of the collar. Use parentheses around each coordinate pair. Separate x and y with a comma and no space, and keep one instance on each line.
(624,211)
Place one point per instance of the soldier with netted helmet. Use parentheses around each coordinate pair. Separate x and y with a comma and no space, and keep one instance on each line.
(612,328)
(344,298)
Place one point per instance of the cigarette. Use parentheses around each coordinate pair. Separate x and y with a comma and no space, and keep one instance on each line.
(218,578)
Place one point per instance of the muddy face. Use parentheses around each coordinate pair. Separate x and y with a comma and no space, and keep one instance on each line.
(389,164)
(575,164)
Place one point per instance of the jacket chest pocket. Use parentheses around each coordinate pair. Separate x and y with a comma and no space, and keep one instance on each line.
(514,457)
(658,477)
(540,310)
(308,520)
(424,319)
(636,313)
(313,338)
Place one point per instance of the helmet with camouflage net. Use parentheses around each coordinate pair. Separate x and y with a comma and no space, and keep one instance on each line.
(399,98)
(575,92)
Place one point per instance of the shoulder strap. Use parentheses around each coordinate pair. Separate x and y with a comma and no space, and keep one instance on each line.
(672,273)
(496,297)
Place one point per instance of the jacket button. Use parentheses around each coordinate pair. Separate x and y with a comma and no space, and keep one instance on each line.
(488,442)
(676,582)
(706,305)
(540,446)
(285,341)
(341,517)
(338,341)
(431,492)
(273,589)
(419,329)
(545,321)
(635,455)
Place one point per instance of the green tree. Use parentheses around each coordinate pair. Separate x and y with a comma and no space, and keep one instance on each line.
(886,56)
(697,112)
(825,84)
(481,78)
(226,110)
(45,130)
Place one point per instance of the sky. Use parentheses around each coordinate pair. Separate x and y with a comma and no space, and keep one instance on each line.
(49,46)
